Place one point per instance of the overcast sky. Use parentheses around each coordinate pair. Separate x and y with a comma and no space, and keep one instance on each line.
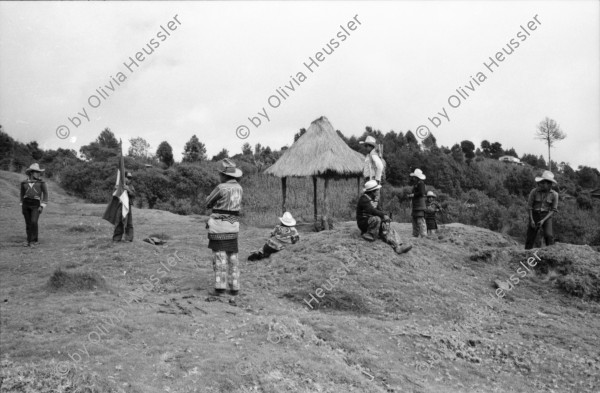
(223,60)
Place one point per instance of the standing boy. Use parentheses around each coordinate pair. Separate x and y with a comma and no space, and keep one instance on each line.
(418,203)
(430,211)
(34,197)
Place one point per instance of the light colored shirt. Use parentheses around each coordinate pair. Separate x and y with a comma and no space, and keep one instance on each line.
(543,201)
(373,167)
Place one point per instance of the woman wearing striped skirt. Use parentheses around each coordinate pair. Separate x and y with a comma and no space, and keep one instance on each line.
(223,228)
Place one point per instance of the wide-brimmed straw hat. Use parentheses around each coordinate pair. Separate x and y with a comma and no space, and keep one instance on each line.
(547,175)
(34,168)
(418,173)
(228,168)
(371,185)
(369,141)
(287,219)
(431,194)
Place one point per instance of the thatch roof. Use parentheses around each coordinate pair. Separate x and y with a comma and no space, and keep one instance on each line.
(319,152)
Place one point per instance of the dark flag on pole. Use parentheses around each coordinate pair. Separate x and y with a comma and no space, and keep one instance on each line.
(118,207)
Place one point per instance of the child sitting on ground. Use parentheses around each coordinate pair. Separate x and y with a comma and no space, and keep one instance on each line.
(431,208)
(284,233)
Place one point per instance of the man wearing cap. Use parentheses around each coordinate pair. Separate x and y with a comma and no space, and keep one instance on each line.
(34,197)
(373,167)
(418,203)
(542,204)
(118,233)
(223,228)
(374,223)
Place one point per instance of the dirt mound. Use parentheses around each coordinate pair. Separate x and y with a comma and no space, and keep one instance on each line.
(577,269)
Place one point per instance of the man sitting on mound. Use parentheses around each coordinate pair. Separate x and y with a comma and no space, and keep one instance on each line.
(284,233)
(373,223)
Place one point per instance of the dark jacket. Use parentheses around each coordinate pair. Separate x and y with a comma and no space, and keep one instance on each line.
(130,193)
(37,191)
(364,210)
(418,200)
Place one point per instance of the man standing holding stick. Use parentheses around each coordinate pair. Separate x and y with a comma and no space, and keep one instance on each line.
(542,204)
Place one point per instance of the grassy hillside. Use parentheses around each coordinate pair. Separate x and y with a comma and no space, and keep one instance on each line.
(419,322)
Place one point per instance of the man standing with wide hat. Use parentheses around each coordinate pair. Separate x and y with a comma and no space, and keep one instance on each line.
(223,228)
(34,197)
(373,168)
(542,204)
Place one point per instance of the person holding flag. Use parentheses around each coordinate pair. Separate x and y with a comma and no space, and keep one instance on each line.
(129,190)
(118,211)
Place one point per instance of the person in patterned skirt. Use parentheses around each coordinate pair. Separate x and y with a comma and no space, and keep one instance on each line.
(282,234)
(223,228)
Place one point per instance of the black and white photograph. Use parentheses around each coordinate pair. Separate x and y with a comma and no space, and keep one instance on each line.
(300,196)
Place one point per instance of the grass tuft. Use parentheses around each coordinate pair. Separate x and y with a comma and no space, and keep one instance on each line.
(75,281)
(82,228)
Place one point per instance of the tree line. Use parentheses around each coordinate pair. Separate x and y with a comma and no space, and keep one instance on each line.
(464,171)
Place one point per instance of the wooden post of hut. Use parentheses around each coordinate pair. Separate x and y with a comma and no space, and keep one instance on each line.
(326,204)
(320,152)
(315,195)
(284,192)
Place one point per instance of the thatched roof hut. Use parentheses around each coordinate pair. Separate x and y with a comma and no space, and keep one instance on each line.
(320,152)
